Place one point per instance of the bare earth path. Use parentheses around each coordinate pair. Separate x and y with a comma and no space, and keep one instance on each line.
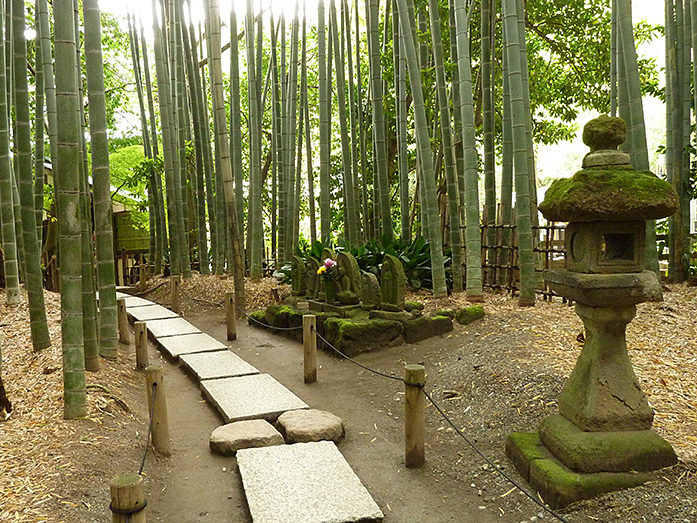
(495,376)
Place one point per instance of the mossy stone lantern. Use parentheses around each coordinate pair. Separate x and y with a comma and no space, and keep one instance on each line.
(601,439)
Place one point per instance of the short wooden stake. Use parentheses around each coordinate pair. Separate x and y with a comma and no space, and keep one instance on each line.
(127,499)
(414,415)
(143,282)
(141,337)
(124,332)
(175,282)
(160,422)
(231,320)
(310,347)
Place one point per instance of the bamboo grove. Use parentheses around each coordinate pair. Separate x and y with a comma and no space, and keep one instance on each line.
(336,121)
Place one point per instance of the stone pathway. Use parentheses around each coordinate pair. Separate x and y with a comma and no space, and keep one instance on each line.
(309,482)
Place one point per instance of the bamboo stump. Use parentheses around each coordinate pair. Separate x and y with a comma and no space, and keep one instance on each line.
(124,333)
(141,340)
(127,499)
(310,348)
(230,318)
(157,405)
(175,282)
(415,416)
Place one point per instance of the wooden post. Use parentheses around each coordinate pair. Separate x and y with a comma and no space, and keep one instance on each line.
(230,316)
(160,422)
(175,281)
(310,347)
(414,415)
(124,333)
(143,274)
(127,499)
(141,345)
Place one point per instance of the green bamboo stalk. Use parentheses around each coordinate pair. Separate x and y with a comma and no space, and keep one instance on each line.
(671,147)
(453,190)
(347,168)
(520,156)
(488,128)
(108,326)
(39,135)
(9,241)
(223,146)
(67,168)
(324,125)
(236,118)
(361,129)
(290,140)
(473,247)
(424,150)
(32,254)
(379,139)
(400,87)
(308,141)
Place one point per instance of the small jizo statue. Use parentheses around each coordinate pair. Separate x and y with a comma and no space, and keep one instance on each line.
(393,284)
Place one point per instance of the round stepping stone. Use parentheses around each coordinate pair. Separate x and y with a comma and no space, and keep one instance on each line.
(226,440)
(303,426)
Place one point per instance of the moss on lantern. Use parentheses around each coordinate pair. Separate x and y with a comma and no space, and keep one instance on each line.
(617,194)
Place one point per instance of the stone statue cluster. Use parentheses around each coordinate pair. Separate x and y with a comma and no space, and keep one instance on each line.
(350,287)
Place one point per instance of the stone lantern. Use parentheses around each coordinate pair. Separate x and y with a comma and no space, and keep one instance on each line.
(601,439)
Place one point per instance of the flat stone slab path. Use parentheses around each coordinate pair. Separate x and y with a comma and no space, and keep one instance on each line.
(150,312)
(301,482)
(191,343)
(250,397)
(308,482)
(220,364)
(170,327)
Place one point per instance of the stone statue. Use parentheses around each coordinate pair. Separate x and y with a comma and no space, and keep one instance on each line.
(299,276)
(349,281)
(370,291)
(312,281)
(393,284)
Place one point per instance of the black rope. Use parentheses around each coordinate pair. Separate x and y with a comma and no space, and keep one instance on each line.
(201,300)
(147,291)
(147,440)
(450,422)
(379,373)
(128,511)
(250,318)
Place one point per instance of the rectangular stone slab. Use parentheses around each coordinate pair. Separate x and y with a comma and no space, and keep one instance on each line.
(219,364)
(308,482)
(133,301)
(175,346)
(170,327)
(250,397)
(150,312)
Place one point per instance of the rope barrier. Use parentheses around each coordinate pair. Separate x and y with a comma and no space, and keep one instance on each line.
(147,439)
(148,291)
(450,422)
(201,300)
(244,313)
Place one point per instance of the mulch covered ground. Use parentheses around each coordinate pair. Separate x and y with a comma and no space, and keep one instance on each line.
(48,464)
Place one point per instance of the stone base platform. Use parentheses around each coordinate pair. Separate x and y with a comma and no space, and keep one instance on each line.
(558,485)
(344,311)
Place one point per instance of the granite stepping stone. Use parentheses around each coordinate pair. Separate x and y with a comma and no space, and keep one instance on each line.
(250,397)
(150,312)
(308,482)
(133,301)
(176,346)
(302,426)
(170,327)
(226,440)
(219,364)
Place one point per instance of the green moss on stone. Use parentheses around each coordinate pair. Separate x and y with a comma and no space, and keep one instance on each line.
(258,319)
(422,328)
(470,314)
(410,306)
(450,313)
(278,315)
(618,194)
(355,336)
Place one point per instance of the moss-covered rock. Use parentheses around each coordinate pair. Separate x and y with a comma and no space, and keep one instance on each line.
(347,298)
(450,313)
(467,315)
(604,132)
(617,194)
(258,319)
(422,328)
(411,306)
(355,336)
(278,315)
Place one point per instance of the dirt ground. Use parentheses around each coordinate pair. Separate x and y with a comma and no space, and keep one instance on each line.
(498,375)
